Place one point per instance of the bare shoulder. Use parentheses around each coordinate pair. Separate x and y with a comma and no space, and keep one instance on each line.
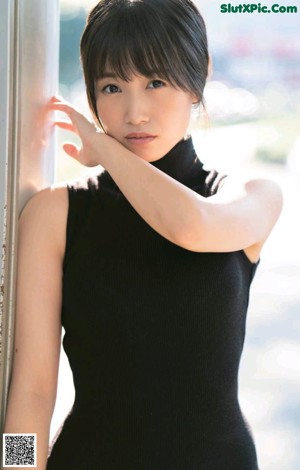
(53,198)
(259,185)
(262,191)
(46,213)
(249,208)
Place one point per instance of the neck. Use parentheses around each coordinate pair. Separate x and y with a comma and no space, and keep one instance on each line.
(181,163)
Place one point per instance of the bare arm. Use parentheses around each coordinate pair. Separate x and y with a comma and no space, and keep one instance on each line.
(33,386)
(240,216)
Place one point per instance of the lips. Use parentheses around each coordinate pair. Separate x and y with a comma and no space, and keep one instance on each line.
(139,138)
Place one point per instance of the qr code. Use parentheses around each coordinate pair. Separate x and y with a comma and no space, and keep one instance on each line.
(19,450)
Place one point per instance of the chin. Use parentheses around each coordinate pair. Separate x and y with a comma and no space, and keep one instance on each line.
(150,153)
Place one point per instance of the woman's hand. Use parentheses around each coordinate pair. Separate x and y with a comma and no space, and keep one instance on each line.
(92,138)
(240,216)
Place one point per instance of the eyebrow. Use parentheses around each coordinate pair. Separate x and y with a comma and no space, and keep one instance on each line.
(115,76)
(107,75)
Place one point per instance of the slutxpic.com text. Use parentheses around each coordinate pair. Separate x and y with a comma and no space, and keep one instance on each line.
(257,8)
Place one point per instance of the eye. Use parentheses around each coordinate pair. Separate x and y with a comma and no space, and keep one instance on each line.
(157,84)
(111,89)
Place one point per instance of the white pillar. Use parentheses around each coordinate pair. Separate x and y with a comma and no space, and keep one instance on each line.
(29,39)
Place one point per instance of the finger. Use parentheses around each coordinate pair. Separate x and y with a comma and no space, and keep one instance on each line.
(68,126)
(60,106)
(56,99)
(77,118)
(72,150)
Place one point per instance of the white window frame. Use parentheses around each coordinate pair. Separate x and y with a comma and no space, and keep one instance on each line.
(29,48)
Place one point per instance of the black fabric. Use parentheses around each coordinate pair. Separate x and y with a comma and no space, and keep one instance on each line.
(154,335)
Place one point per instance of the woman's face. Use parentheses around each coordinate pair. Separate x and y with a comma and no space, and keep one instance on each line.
(147,115)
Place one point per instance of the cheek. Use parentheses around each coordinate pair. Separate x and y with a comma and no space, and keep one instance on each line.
(105,115)
(100,109)
(182,102)
(182,109)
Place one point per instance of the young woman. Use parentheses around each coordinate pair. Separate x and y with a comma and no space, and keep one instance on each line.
(147,265)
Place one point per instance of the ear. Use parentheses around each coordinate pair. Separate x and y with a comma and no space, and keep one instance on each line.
(195,100)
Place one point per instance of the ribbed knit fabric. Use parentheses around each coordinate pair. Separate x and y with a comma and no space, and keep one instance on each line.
(154,335)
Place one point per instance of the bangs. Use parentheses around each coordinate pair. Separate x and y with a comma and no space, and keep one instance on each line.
(163,38)
(124,58)
(136,42)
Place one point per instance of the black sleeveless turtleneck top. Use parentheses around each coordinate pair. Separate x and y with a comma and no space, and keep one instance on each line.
(154,335)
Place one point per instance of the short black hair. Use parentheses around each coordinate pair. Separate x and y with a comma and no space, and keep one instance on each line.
(146,37)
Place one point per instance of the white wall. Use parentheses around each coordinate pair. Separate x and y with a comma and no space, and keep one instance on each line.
(29,39)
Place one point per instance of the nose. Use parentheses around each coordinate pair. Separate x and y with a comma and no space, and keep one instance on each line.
(137,110)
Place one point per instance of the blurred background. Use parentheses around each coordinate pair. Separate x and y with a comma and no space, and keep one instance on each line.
(253,127)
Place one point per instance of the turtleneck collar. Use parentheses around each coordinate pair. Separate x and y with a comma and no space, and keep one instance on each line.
(181,163)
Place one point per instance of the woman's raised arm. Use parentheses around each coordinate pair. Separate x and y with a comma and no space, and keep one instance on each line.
(32,393)
(240,216)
